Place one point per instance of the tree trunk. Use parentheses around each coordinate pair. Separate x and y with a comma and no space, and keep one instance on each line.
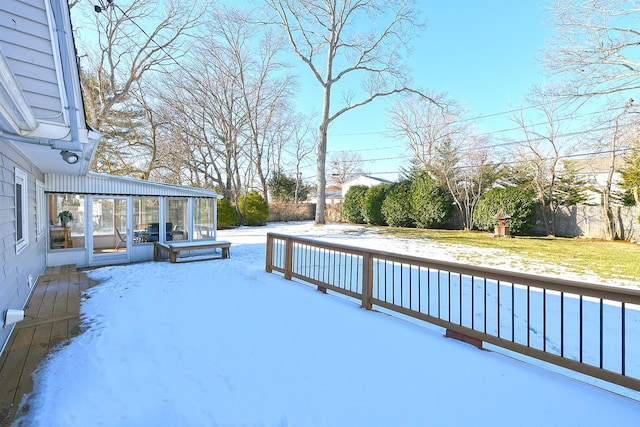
(322,148)
(610,226)
(320,170)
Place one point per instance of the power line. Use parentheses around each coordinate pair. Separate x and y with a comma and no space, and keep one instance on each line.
(101,8)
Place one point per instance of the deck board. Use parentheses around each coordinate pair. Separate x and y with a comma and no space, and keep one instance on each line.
(52,315)
(11,369)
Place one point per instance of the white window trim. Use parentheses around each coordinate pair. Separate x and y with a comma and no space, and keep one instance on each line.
(41,211)
(21,178)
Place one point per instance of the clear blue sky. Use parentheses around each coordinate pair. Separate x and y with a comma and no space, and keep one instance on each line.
(481,53)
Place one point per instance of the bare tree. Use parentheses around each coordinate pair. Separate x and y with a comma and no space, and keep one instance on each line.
(595,45)
(541,150)
(617,134)
(229,102)
(132,42)
(344,166)
(445,145)
(301,149)
(426,125)
(348,41)
(462,167)
(263,83)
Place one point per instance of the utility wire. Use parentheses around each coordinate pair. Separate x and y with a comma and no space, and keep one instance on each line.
(475,118)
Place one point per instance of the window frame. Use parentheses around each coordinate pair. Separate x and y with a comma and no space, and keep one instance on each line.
(21,210)
(41,211)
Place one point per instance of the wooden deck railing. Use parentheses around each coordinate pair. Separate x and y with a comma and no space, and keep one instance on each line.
(587,328)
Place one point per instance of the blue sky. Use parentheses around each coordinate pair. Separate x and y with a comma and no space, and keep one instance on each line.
(481,53)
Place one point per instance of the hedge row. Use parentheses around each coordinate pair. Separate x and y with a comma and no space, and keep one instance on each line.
(419,203)
(422,203)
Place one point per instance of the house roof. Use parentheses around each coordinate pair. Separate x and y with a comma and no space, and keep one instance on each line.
(363,177)
(594,164)
(96,183)
(41,105)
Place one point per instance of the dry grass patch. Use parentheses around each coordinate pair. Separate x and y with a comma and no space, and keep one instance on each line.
(608,259)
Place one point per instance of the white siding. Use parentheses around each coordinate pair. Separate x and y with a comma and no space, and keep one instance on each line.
(15,269)
(369,181)
(25,40)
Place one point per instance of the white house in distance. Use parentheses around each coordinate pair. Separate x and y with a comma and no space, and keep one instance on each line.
(53,211)
(594,171)
(365,180)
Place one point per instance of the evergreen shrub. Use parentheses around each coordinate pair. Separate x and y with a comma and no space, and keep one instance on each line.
(431,206)
(227,216)
(396,207)
(256,211)
(372,204)
(519,203)
(353,202)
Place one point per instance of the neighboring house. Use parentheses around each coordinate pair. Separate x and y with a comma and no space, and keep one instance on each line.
(53,210)
(594,172)
(366,180)
(332,196)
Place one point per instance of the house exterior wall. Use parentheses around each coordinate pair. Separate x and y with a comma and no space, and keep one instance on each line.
(362,180)
(30,262)
(26,41)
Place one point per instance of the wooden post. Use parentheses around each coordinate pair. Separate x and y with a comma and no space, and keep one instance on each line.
(367,280)
(269,260)
(288,258)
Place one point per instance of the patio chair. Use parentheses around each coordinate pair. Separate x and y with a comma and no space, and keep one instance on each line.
(121,239)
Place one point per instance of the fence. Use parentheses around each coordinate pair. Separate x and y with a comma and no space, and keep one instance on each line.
(591,329)
(279,211)
(590,222)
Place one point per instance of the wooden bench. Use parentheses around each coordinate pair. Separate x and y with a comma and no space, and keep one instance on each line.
(173,249)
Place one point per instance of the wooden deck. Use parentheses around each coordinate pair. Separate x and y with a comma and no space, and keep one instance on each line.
(52,315)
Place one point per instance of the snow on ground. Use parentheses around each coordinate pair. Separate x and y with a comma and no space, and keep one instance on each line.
(223,343)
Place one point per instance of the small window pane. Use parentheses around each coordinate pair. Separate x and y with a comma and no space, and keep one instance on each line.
(21,210)
(177,222)
(146,219)
(66,221)
(203,221)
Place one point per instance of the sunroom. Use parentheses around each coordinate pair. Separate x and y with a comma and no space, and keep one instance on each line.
(101,219)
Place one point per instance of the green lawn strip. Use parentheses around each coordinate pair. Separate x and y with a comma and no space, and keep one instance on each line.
(607,259)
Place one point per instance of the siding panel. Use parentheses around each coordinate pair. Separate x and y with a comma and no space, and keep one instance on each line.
(26,42)
(14,286)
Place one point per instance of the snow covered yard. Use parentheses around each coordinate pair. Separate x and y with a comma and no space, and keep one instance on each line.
(223,343)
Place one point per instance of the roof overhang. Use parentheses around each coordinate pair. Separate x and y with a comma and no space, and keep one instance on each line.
(51,147)
(16,116)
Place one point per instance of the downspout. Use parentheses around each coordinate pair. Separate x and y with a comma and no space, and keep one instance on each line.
(57,7)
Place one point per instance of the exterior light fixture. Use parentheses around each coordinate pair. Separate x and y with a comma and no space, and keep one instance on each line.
(69,157)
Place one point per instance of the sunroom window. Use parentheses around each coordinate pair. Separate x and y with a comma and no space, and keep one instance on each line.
(66,221)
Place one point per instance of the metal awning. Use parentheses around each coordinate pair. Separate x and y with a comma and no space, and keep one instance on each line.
(95,183)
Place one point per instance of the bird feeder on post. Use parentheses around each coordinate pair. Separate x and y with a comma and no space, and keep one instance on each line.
(502,227)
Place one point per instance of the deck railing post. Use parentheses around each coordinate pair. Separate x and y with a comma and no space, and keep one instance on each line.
(288,258)
(269,261)
(367,280)
(379,274)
